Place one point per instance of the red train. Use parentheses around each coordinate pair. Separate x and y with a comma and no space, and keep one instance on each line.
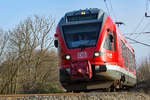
(93,53)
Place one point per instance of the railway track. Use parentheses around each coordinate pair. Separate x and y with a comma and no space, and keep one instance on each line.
(79,96)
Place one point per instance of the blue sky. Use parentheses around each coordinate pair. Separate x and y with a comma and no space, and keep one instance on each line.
(128,11)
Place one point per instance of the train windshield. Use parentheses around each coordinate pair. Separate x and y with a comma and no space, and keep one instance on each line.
(81,35)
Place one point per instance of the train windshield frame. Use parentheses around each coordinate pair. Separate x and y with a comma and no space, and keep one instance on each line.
(82,35)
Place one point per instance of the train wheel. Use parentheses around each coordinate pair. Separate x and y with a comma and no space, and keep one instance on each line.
(112,89)
(108,90)
(118,84)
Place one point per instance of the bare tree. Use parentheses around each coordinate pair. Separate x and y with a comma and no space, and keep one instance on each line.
(29,56)
(143,72)
(3,41)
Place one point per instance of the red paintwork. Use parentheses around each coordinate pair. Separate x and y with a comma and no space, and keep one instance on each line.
(106,59)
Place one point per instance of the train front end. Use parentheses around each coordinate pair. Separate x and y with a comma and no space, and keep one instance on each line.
(78,39)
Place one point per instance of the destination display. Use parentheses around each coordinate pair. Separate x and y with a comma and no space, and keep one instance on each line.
(82,17)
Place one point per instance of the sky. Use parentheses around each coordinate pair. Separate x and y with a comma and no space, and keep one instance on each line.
(130,12)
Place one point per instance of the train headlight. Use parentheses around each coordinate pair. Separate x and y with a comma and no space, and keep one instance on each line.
(67,57)
(96,54)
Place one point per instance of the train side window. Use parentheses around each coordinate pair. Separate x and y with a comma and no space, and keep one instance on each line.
(115,44)
(124,53)
(109,42)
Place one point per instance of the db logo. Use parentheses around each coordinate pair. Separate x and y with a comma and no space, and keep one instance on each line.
(82,55)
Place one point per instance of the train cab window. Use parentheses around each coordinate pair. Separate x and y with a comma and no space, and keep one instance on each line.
(109,42)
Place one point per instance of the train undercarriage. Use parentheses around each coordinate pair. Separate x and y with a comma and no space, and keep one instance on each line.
(104,80)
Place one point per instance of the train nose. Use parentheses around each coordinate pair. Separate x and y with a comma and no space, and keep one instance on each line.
(81,70)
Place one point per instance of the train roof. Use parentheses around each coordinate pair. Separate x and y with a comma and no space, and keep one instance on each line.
(87,11)
(85,14)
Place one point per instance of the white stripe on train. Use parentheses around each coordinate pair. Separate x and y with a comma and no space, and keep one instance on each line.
(120,69)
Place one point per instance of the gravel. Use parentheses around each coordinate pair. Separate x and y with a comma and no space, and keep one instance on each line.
(82,96)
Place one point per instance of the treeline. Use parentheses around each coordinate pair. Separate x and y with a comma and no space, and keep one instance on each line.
(28,62)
